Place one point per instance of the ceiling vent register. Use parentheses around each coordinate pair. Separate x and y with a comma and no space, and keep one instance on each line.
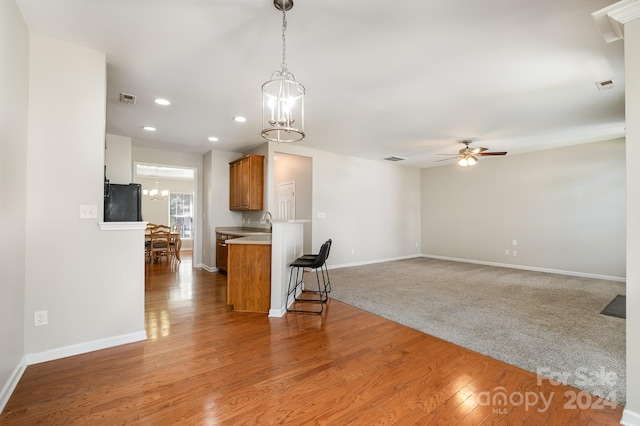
(605,84)
(127,98)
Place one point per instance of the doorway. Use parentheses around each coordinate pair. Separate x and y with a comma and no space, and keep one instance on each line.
(287,200)
(292,185)
(168,197)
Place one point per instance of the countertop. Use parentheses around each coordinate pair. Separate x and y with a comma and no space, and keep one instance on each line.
(242,231)
(265,239)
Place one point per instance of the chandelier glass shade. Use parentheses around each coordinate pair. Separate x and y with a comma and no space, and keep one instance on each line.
(283,97)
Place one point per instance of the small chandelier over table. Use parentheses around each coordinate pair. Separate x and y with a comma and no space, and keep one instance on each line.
(155,193)
(283,96)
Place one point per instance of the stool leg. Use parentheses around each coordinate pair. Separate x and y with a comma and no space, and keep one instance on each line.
(296,282)
(299,282)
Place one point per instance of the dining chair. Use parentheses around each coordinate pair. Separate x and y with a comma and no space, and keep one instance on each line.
(147,240)
(160,245)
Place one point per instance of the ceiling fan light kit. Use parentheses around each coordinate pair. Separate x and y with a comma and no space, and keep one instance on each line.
(468,160)
(283,96)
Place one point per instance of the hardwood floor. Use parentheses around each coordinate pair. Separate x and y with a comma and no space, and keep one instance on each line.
(204,364)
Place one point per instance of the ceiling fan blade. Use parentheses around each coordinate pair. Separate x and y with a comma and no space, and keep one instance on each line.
(478,150)
(446,159)
(451,155)
(493,153)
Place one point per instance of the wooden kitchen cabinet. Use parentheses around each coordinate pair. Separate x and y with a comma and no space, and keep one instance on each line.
(246,183)
(249,277)
(222,250)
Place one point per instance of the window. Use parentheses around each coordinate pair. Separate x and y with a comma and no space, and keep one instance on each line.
(180,212)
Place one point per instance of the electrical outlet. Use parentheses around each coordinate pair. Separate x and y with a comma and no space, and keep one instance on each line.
(506,252)
(514,242)
(40,318)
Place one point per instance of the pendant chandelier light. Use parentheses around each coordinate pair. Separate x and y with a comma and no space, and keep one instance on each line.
(155,193)
(283,96)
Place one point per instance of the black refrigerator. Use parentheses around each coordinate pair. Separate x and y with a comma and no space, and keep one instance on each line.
(122,203)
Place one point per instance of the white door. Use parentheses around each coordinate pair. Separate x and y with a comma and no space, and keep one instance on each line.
(287,200)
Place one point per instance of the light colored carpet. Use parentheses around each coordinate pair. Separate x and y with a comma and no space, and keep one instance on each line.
(533,320)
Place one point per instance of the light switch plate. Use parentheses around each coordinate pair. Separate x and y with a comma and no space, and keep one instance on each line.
(88,212)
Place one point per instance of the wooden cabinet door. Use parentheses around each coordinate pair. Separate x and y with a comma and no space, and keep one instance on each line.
(246,183)
(245,189)
(221,255)
(235,186)
(249,277)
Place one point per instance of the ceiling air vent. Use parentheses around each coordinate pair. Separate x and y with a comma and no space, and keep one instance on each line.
(395,158)
(127,98)
(604,84)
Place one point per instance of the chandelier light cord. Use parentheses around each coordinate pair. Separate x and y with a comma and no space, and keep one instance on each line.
(284,41)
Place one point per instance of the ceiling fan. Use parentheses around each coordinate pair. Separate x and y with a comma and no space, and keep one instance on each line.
(469,156)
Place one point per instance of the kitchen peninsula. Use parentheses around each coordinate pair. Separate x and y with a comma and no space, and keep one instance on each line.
(249,273)
(258,267)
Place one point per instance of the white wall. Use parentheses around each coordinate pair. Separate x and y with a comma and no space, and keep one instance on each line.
(169,158)
(372,208)
(117,159)
(91,282)
(216,202)
(14,87)
(565,207)
(632,108)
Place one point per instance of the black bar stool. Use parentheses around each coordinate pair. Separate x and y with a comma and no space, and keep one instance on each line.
(325,270)
(296,281)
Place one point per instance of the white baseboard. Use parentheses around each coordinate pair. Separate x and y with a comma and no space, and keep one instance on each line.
(277,313)
(530,268)
(371,262)
(11,384)
(208,268)
(630,418)
(81,348)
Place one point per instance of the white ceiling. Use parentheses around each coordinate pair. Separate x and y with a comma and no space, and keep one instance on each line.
(409,78)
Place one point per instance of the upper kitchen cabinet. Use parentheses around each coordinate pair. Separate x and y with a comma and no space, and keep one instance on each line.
(246,180)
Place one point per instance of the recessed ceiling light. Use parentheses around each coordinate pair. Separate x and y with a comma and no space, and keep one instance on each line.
(163,102)
(149,128)
(213,139)
(240,119)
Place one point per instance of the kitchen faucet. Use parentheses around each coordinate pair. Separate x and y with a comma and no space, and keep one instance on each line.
(266,217)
